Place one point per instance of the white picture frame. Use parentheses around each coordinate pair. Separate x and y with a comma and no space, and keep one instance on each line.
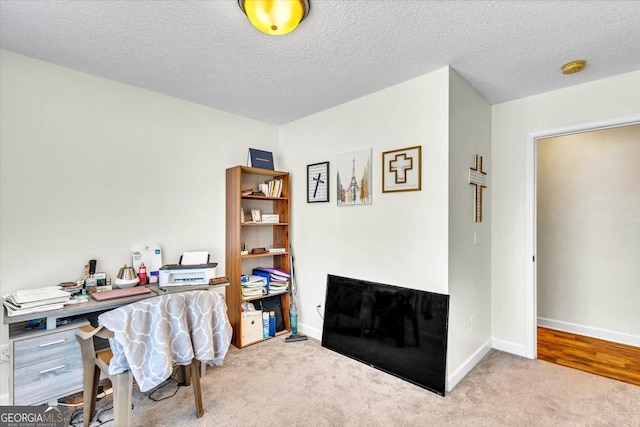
(256,215)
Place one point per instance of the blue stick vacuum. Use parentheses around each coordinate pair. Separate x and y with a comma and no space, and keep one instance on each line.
(293,309)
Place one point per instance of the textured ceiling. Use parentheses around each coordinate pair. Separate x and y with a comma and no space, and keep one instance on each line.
(207,52)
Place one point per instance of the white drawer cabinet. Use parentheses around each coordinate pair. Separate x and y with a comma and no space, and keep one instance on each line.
(50,345)
(46,366)
(43,381)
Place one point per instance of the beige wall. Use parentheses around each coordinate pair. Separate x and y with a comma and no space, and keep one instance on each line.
(401,238)
(469,264)
(588,229)
(73,147)
(80,120)
(89,168)
(421,240)
(512,122)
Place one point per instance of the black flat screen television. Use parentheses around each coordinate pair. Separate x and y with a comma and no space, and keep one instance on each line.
(397,330)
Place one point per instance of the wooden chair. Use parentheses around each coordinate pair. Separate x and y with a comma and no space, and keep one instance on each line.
(96,362)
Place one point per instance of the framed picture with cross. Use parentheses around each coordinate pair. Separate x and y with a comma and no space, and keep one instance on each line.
(402,169)
(318,182)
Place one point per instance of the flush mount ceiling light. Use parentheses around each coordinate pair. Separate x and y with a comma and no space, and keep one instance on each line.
(275,17)
(573,66)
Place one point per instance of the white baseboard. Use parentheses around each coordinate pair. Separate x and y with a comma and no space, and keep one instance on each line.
(467,365)
(590,331)
(310,332)
(509,347)
(5,399)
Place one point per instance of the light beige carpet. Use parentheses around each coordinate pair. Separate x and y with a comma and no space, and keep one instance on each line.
(302,384)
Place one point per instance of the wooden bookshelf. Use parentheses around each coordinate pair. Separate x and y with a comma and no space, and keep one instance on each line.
(238,179)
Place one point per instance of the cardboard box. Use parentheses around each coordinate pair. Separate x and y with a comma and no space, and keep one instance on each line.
(251,326)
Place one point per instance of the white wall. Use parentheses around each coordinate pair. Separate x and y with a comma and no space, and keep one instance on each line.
(166,159)
(90,168)
(588,229)
(469,264)
(511,122)
(401,238)
(73,147)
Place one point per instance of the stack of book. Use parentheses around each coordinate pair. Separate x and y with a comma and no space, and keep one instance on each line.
(278,280)
(253,286)
(270,188)
(251,192)
(278,287)
(35,301)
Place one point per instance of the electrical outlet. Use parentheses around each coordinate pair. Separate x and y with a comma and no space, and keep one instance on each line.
(320,308)
(472,320)
(5,353)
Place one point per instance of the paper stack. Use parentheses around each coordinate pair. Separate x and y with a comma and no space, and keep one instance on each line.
(278,287)
(253,286)
(278,279)
(35,300)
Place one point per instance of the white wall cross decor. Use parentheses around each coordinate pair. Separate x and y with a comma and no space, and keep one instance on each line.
(478,178)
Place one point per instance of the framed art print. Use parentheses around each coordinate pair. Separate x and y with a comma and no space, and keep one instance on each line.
(402,169)
(318,182)
(354,178)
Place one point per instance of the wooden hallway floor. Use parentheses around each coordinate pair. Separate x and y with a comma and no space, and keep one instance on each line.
(609,359)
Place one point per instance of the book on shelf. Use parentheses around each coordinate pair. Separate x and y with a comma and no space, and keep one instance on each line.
(277,280)
(278,287)
(271,188)
(256,292)
(254,285)
(260,159)
(275,271)
(252,192)
(270,218)
(266,276)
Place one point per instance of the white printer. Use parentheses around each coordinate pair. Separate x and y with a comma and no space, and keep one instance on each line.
(194,269)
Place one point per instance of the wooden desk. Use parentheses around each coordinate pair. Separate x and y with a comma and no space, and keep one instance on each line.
(46,364)
(93,306)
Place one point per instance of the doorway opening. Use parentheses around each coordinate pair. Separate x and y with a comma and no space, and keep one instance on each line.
(531,214)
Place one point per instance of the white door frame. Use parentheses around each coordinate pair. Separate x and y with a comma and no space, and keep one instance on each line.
(531,310)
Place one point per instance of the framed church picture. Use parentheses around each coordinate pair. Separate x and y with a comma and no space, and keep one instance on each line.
(402,169)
